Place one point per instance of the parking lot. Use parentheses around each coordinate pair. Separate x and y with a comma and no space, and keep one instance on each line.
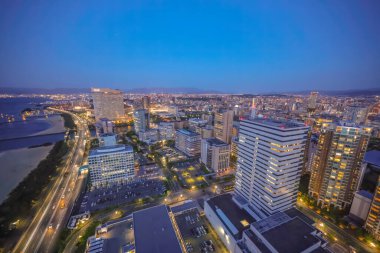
(197,234)
(98,199)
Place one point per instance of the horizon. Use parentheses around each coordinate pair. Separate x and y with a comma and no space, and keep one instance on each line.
(242,47)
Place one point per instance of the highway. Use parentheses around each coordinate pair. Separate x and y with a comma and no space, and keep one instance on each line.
(43,230)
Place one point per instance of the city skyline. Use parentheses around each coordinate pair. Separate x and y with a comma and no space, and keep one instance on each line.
(240,47)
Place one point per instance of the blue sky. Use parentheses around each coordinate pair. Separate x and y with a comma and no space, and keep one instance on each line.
(231,46)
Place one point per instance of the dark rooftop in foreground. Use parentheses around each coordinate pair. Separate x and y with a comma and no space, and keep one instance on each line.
(154,232)
(294,212)
(232,212)
(372,157)
(297,233)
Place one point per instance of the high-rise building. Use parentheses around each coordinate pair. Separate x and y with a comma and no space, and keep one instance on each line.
(215,154)
(372,224)
(188,142)
(146,102)
(223,125)
(336,168)
(141,120)
(111,165)
(108,103)
(312,103)
(269,165)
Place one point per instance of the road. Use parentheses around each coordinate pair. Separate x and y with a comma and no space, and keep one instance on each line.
(42,232)
(342,237)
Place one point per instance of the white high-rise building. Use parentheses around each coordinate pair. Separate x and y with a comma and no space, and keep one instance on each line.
(108,103)
(269,164)
(111,165)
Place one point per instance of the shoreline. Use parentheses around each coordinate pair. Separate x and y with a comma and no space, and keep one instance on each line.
(56,126)
(17,164)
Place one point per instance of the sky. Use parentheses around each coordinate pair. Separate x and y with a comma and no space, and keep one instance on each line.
(229,46)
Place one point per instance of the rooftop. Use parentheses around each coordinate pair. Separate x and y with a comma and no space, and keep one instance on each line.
(291,236)
(230,214)
(216,142)
(282,124)
(373,157)
(110,149)
(187,132)
(154,232)
(365,194)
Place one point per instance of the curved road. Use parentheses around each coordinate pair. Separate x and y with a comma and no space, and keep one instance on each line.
(42,232)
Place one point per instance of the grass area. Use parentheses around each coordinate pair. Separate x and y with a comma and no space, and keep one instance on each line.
(23,198)
(90,231)
(69,122)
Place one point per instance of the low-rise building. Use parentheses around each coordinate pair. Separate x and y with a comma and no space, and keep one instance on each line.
(149,136)
(360,206)
(108,139)
(166,130)
(282,232)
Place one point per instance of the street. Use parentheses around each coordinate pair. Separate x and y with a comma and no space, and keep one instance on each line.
(42,232)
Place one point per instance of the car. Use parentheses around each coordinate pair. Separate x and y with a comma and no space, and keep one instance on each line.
(50,226)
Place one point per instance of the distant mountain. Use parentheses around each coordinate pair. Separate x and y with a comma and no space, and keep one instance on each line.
(186,90)
(349,93)
(179,90)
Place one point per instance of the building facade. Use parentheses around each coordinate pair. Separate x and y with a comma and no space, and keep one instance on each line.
(269,164)
(336,168)
(108,103)
(146,102)
(215,154)
(223,125)
(141,120)
(111,165)
(166,130)
(372,224)
(188,142)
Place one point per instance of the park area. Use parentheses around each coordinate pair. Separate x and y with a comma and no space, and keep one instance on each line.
(190,175)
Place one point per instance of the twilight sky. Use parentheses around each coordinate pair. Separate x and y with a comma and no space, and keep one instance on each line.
(225,45)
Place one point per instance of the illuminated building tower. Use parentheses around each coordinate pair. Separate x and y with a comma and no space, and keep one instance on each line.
(141,120)
(146,102)
(312,104)
(253,109)
(223,125)
(372,224)
(336,169)
(269,165)
(111,165)
(108,103)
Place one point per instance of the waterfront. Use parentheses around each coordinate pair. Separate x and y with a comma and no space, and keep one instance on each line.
(24,143)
